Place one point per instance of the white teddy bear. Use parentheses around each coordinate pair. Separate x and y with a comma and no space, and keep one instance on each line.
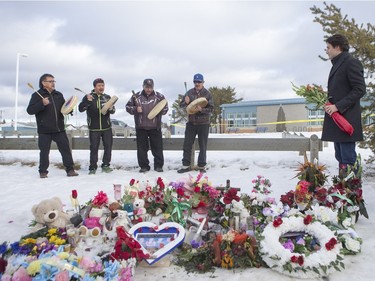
(49,212)
(139,209)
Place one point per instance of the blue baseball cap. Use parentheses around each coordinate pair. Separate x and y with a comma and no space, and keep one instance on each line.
(198,77)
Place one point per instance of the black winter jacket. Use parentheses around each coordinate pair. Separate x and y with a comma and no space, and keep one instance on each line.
(147,103)
(203,117)
(49,118)
(346,86)
(96,121)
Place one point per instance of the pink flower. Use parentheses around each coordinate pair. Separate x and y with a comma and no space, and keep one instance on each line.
(21,275)
(62,276)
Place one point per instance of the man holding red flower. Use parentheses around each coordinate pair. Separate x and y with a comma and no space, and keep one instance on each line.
(346,86)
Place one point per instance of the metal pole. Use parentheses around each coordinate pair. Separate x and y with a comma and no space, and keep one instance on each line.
(16,104)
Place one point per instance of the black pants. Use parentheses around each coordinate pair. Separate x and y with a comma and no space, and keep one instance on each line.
(107,139)
(190,132)
(145,139)
(62,142)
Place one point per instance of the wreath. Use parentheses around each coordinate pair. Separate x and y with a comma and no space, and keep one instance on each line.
(311,264)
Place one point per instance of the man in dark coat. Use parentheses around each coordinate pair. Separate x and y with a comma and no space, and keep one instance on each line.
(50,123)
(198,124)
(346,86)
(148,130)
(99,125)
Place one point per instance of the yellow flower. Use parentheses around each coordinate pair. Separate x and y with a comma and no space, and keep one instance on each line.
(52,231)
(52,239)
(34,267)
(28,241)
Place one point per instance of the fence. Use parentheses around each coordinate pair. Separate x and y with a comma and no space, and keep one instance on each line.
(302,144)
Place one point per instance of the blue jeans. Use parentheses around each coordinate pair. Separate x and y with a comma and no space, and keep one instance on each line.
(345,153)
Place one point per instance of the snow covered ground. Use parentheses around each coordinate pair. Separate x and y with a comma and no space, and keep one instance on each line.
(21,188)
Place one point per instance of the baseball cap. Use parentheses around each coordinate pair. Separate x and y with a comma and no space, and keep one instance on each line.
(148,83)
(198,77)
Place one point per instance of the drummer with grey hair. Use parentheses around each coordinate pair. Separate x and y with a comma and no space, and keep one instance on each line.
(148,106)
(99,124)
(199,106)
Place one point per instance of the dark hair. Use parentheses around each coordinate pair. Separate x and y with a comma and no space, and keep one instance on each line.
(339,40)
(43,77)
(97,81)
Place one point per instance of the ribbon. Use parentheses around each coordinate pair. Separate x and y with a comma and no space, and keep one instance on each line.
(178,208)
(343,198)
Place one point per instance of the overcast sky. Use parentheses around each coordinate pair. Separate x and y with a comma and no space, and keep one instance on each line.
(256,47)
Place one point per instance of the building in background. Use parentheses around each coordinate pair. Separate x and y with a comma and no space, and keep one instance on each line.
(262,116)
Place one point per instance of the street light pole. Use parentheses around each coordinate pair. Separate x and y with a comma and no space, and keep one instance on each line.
(17,74)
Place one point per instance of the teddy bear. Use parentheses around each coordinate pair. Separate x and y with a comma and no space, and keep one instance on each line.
(122,219)
(49,212)
(139,209)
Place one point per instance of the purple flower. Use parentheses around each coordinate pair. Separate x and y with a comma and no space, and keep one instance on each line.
(289,245)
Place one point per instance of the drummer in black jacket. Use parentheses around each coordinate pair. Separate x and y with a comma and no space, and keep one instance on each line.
(148,128)
(99,125)
(50,123)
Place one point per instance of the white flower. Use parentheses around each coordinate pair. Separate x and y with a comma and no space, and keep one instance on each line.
(317,264)
(352,244)
(347,222)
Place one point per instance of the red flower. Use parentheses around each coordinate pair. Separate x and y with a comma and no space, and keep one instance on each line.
(277,222)
(230,196)
(74,194)
(197,189)
(160,183)
(294,259)
(331,244)
(141,194)
(180,192)
(132,181)
(300,260)
(308,219)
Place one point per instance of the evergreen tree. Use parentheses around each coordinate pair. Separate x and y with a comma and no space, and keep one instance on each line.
(362,41)
(179,115)
(280,118)
(221,96)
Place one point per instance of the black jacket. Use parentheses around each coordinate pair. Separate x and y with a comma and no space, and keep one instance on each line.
(49,119)
(202,117)
(147,103)
(346,86)
(96,121)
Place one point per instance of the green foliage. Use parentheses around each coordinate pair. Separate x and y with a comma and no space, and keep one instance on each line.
(221,96)
(179,115)
(361,38)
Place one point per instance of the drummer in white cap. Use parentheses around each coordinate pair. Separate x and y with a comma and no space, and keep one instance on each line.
(198,124)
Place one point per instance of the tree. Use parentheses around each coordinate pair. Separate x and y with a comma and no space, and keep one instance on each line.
(221,96)
(179,115)
(362,40)
(280,127)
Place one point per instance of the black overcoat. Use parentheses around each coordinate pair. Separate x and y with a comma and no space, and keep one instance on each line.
(346,86)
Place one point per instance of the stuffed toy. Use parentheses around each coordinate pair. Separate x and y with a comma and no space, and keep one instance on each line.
(139,209)
(49,212)
(122,220)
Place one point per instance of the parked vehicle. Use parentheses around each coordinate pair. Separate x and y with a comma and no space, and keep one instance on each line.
(120,128)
